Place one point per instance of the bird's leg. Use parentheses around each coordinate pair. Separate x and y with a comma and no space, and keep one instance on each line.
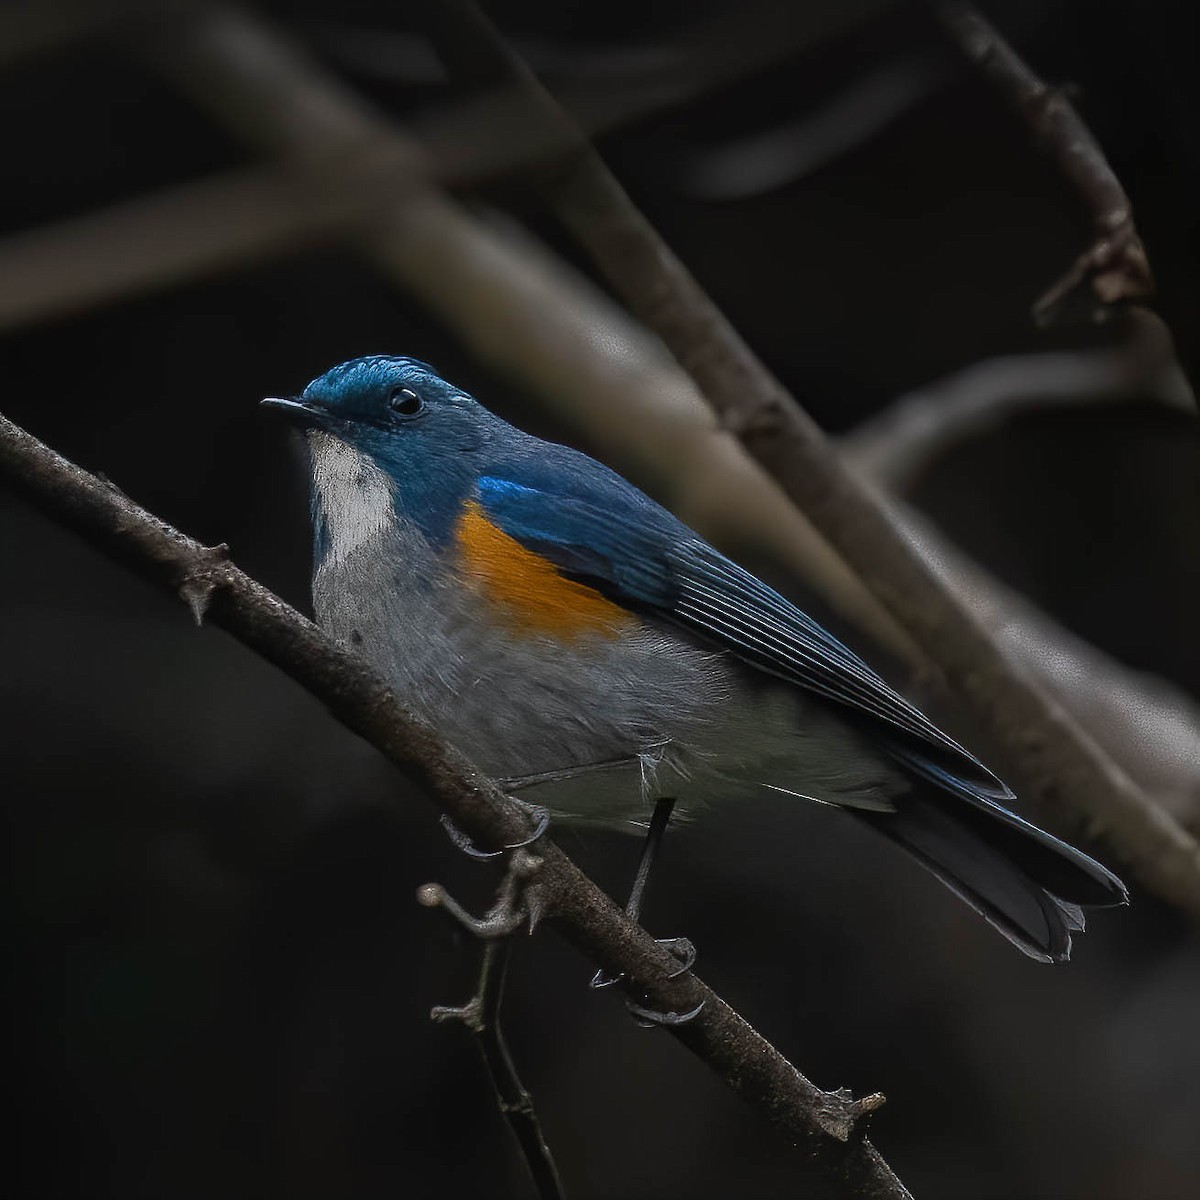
(681,948)
(659,821)
(538,816)
(536,813)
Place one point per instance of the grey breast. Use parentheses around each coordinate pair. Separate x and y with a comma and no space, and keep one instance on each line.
(592,727)
(560,717)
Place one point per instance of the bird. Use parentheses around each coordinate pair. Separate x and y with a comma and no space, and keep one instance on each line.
(594,655)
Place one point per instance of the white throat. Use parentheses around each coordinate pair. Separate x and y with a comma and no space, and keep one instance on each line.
(351,492)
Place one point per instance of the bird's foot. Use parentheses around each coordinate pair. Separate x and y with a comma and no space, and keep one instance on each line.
(649,1018)
(538,816)
(684,952)
(681,948)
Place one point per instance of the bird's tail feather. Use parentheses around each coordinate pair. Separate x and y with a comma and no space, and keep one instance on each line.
(1024,882)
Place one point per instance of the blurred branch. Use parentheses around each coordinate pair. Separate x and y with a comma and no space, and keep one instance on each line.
(826,1123)
(843,122)
(390,55)
(35,27)
(914,431)
(481,1014)
(171,237)
(1114,266)
(1151,730)
(1148,728)
(1055,763)
(489,134)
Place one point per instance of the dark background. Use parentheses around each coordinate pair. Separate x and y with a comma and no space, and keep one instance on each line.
(221,977)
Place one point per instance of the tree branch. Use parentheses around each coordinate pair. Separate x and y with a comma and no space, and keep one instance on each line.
(1149,728)
(826,1123)
(1115,264)
(1051,759)
(899,443)
(179,234)
(481,1014)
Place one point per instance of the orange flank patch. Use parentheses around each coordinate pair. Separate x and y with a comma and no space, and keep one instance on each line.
(531,592)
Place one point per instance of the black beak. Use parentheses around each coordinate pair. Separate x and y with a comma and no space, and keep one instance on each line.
(304,416)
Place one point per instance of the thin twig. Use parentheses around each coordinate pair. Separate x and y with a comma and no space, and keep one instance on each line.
(1114,265)
(898,444)
(481,1014)
(826,1123)
(1052,760)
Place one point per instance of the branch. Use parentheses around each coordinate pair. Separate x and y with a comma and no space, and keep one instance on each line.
(916,430)
(202,228)
(481,1014)
(1150,729)
(1114,265)
(179,234)
(36,27)
(1053,761)
(826,1123)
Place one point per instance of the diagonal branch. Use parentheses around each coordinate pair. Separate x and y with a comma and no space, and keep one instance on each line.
(827,1124)
(1148,727)
(1114,266)
(1053,761)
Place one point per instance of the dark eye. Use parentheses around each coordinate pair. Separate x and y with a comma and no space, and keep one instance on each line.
(404,402)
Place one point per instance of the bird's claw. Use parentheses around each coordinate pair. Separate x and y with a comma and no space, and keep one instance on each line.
(685,952)
(462,842)
(536,813)
(681,949)
(648,1018)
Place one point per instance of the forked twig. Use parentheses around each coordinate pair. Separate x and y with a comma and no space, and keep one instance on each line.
(481,1014)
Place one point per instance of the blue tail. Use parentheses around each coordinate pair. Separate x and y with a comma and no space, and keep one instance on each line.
(1027,883)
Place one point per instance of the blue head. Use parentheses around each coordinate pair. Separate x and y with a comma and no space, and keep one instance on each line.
(392,408)
(426,435)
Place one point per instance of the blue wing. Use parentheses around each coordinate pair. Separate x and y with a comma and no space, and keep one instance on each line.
(596,527)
